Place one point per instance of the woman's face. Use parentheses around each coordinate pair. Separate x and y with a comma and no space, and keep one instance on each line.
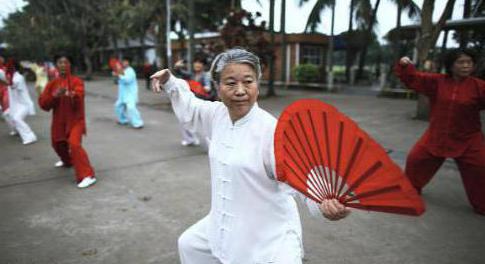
(62,65)
(125,63)
(462,67)
(198,66)
(238,89)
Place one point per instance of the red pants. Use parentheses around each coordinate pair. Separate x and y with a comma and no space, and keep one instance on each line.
(72,153)
(421,166)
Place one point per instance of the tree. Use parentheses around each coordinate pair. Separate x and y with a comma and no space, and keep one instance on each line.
(427,38)
(413,11)
(429,32)
(250,35)
(78,27)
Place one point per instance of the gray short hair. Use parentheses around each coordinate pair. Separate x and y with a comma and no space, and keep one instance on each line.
(235,55)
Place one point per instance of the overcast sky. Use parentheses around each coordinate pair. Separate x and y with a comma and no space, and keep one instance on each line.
(296,16)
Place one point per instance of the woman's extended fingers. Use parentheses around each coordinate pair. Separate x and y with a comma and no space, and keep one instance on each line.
(159,78)
(156,86)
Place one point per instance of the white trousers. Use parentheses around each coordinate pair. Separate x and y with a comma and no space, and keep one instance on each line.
(16,119)
(8,120)
(193,247)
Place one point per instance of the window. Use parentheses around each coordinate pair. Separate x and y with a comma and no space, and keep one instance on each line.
(311,54)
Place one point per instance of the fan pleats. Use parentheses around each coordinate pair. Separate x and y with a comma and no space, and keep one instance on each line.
(325,155)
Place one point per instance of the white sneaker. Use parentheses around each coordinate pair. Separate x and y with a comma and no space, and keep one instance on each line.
(13,133)
(59,164)
(185,143)
(30,141)
(86,182)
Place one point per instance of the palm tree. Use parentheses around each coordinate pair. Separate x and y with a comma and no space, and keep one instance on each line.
(368,19)
(413,11)
(314,18)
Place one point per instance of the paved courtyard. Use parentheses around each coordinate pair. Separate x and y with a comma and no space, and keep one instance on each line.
(151,189)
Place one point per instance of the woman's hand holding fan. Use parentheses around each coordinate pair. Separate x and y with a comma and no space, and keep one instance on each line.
(333,210)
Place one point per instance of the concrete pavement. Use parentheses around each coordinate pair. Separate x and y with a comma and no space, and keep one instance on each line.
(151,189)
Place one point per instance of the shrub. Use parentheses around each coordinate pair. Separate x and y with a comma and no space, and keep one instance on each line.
(306,73)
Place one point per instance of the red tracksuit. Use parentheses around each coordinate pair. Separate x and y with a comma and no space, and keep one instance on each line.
(3,93)
(68,123)
(454,131)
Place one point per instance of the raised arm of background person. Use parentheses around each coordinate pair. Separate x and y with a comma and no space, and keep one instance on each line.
(127,76)
(421,82)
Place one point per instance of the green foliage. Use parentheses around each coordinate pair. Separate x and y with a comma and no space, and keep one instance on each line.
(306,73)
(314,17)
(43,28)
(241,29)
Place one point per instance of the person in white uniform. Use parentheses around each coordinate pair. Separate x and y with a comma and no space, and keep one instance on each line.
(253,217)
(20,105)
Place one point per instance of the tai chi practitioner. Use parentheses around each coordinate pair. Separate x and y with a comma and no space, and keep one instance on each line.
(253,217)
(65,97)
(125,106)
(20,105)
(454,131)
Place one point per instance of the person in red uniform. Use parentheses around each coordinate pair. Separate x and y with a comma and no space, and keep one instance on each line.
(65,97)
(454,131)
(3,89)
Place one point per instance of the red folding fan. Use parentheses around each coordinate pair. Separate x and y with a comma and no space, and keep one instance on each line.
(115,65)
(197,88)
(324,154)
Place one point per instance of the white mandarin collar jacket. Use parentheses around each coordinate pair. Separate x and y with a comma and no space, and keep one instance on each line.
(251,213)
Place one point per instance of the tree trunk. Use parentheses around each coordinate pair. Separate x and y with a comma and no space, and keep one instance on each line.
(467,9)
(235,4)
(161,42)
(142,46)
(429,32)
(348,59)
(116,50)
(168,29)
(330,52)
(368,39)
(190,51)
(427,39)
(88,63)
(283,42)
(271,90)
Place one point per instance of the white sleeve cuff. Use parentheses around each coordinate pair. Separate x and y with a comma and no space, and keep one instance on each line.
(173,85)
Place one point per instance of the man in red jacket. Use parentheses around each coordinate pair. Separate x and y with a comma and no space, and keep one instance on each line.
(65,96)
(456,100)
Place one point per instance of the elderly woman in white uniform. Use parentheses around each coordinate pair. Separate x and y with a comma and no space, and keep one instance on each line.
(21,105)
(253,217)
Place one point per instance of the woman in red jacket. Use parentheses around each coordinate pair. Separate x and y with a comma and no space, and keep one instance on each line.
(456,100)
(65,96)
